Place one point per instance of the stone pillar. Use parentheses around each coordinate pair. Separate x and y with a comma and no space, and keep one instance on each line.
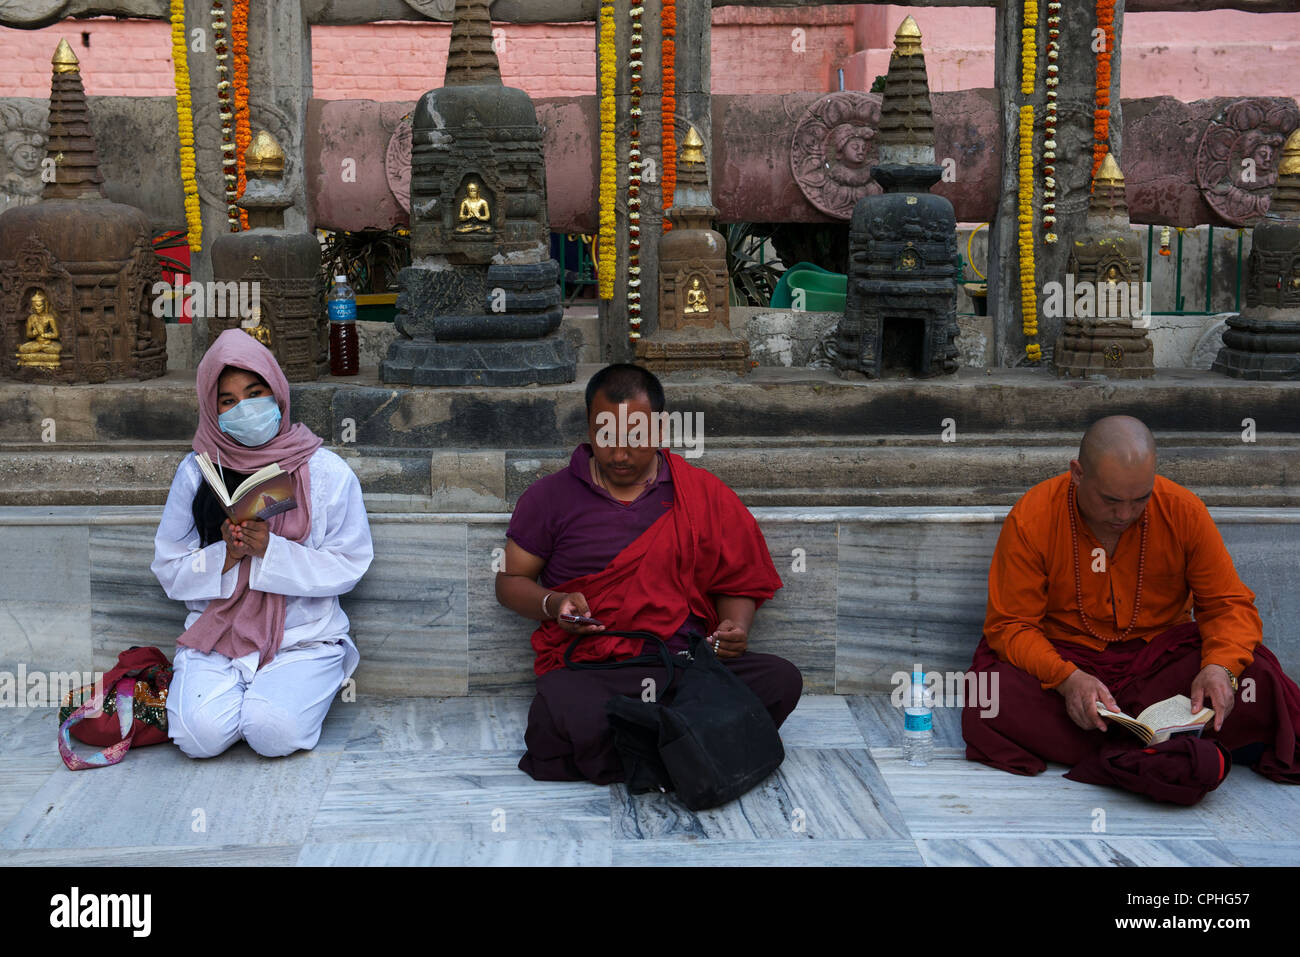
(694,35)
(1076,99)
(279,88)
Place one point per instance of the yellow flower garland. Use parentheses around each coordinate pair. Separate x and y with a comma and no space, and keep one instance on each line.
(608,262)
(185,127)
(1029,48)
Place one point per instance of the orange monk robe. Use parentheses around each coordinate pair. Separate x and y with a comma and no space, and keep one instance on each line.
(1032,592)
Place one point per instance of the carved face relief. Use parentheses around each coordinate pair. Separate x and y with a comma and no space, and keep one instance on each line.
(22,137)
(1236,164)
(832,151)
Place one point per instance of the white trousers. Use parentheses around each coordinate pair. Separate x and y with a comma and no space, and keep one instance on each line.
(214,700)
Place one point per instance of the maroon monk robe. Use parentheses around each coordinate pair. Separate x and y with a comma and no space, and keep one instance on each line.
(1032,726)
(706,544)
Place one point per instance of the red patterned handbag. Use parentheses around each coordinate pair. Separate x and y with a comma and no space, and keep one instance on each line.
(128,710)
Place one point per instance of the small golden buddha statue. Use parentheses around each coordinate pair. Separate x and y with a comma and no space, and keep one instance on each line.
(474,215)
(1112,274)
(42,349)
(253,326)
(697,300)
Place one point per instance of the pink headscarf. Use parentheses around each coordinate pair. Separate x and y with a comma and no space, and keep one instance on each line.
(250,620)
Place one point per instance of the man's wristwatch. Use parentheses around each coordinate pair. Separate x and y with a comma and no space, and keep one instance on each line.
(1232,679)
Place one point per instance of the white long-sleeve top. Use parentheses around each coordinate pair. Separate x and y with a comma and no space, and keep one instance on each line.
(310,575)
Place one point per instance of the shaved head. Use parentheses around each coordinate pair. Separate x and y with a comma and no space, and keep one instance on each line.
(1119,437)
(1114,474)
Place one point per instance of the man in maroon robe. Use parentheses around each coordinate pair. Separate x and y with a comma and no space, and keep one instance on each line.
(637,538)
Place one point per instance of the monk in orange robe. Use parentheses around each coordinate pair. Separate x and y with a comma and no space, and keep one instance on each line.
(1092,588)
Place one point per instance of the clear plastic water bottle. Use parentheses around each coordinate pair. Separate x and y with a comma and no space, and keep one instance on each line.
(344,348)
(918,723)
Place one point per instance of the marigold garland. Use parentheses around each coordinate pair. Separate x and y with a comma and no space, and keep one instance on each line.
(608,262)
(635,64)
(668,177)
(243,123)
(1101,115)
(1029,48)
(185,127)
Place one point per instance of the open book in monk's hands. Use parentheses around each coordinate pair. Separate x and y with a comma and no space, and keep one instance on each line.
(267,492)
(1163,720)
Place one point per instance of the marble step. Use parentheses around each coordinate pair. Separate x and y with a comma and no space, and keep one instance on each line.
(769,404)
(963,473)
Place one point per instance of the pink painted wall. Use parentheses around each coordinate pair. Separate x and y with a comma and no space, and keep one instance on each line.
(1189,56)
(1185,55)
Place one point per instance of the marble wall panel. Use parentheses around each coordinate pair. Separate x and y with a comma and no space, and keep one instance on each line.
(1267,558)
(408,613)
(44,636)
(128,606)
(909,594)
(500,655)
(44,563)
(799,622)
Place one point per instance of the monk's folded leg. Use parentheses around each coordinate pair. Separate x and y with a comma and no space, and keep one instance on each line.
(775,682)
(1025,727)
(1181,770)
(1266,715)
(569,737)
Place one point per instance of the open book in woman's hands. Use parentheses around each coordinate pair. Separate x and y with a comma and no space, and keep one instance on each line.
(1162,720)
(267,492)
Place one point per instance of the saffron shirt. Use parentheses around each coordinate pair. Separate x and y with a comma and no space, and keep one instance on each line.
(311,575)
(1033,601)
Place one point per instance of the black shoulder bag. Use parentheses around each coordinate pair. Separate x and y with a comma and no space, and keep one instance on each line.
(710,740)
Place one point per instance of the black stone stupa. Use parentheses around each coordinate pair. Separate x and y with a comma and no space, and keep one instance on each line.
(480,302)
(901,310)
(1264,341)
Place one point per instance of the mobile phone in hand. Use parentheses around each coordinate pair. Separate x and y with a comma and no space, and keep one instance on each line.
(580,620)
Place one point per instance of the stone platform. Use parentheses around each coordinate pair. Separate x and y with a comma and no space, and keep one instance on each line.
(780,437)
(433,782)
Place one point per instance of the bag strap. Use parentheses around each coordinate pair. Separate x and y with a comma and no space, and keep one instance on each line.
(114,753)
(664,656)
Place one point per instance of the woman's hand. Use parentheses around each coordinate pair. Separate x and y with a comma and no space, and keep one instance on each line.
(253,535)
(235,549)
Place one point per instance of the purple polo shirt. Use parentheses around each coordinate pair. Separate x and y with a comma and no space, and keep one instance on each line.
(578,528)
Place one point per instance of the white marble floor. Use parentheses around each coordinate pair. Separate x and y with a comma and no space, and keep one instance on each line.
(433,781)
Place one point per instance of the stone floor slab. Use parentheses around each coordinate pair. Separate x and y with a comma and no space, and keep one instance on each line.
(484,853)
(1075,852)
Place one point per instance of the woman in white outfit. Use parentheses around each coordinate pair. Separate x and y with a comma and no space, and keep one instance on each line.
(266,645)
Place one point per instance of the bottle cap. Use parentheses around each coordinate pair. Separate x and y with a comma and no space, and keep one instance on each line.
(341,278)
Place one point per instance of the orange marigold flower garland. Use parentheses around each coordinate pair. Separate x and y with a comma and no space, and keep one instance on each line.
(185,127)
(668,177)
(243,130)
(607,262)
(635,64)
(1101,115)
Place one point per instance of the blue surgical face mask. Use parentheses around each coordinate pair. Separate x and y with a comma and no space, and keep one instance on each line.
(252,422)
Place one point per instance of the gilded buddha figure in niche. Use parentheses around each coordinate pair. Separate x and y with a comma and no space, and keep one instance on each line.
(474,215)
(696,299)
(42,348)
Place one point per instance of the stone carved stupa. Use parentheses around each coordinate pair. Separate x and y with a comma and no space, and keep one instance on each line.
(76,270)
(694,330)
(284,264)
(1103,333)
(901,309)
(1264,341)
(480,303)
